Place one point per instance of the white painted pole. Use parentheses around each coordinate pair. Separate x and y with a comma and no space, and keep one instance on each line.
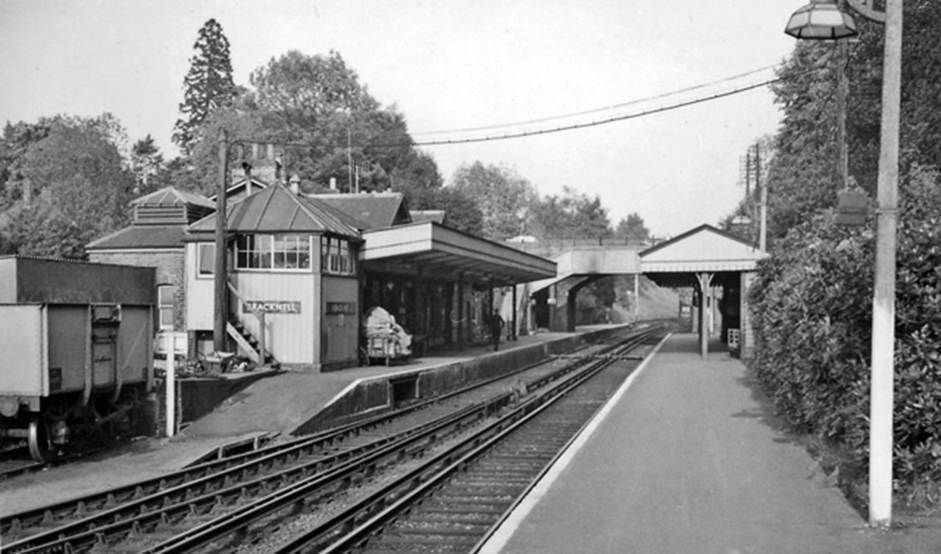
(170,383)
(636,296)
(883,302)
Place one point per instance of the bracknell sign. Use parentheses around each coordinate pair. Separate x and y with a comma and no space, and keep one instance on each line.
(272,306)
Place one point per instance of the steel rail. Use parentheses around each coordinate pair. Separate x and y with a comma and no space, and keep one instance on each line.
(47,516)
(162,506)
(383,505)
(144,509)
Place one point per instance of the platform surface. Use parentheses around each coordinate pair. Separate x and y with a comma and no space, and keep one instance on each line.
(691,460)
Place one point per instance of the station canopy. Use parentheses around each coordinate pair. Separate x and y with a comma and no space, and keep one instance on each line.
(703,249)
(435,251)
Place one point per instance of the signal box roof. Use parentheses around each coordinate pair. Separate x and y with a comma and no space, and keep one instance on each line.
(278,210)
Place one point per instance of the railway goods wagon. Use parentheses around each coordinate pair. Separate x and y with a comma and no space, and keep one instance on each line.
(76,352)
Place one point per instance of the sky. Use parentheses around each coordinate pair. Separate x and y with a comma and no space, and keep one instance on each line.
(453,64)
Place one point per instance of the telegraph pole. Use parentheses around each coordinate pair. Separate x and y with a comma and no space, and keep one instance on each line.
(219,283)
(763,187)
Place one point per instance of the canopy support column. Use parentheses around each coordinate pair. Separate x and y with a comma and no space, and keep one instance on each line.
(460,311)
(705,281)
(516,310)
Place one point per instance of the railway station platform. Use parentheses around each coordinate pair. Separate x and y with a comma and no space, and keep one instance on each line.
(688,457)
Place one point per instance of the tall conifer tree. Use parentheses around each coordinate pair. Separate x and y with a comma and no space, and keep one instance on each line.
(208,84)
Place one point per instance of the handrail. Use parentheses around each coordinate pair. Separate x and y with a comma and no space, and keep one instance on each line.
(259,315)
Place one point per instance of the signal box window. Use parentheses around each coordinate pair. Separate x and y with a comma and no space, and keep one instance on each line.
(283,252)
(207,259)
(337,256)
(165,306)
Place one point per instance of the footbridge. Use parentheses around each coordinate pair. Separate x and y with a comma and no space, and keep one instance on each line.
(716,265)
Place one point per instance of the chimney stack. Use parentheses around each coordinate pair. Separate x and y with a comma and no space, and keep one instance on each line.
(295,184)
(333,183)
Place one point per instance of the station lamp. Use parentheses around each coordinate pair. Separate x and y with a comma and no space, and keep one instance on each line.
(826,20)
(821,20)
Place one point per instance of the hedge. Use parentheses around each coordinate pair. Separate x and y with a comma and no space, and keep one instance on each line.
(811,306)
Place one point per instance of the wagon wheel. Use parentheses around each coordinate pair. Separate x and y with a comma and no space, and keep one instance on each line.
(40,443)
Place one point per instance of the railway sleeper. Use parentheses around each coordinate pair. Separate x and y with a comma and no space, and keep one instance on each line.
(445,508)
(397,537)
(421,528)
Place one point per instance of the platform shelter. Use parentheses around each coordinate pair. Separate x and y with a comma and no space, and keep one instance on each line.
(718,266)
(708,259)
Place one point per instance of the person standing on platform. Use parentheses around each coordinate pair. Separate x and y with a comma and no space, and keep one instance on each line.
(496,328)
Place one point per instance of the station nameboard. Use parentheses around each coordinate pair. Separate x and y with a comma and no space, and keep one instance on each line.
(272,306)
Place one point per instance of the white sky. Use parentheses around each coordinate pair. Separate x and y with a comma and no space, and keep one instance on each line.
(448,64)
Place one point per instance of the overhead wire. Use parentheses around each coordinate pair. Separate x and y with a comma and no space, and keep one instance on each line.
(551,130)
(599,109)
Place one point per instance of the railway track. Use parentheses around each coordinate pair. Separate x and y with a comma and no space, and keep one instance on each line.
(453,501)
(201,493)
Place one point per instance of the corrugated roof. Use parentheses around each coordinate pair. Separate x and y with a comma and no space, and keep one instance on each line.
(377,210)
(171,195)
(277,210)
(141,236)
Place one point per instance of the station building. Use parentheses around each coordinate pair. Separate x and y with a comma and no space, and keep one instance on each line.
(304,269)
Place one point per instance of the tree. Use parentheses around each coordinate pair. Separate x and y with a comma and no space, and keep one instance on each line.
(633,229)
(17,139)
(460,211)
(79,187)
(317,105)
(503,196)
(146,161)
(207,86)
(574,215)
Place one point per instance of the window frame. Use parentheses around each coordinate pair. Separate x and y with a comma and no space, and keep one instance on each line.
(162,305)
(337,256)
(259,252)
(200,274)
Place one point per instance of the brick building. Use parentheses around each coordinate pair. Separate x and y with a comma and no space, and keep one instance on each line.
(155,239)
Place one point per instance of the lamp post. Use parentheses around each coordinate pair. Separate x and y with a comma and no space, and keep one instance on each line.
(824,19)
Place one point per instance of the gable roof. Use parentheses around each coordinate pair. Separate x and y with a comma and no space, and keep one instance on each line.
(377,210)
(703,248)
(277,210)
(174,196)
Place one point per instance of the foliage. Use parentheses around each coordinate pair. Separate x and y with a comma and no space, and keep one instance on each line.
(146,161)
(75,185)
(461,212)
(811,304)
(322,118)
(502,195)
(574,215)
(804,175)
(208,84)
(633,229)
(811,309)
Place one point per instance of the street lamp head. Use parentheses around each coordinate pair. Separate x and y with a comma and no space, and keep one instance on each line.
(821,20)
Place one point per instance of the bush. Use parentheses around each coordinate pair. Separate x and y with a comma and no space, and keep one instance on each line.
(811,307)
